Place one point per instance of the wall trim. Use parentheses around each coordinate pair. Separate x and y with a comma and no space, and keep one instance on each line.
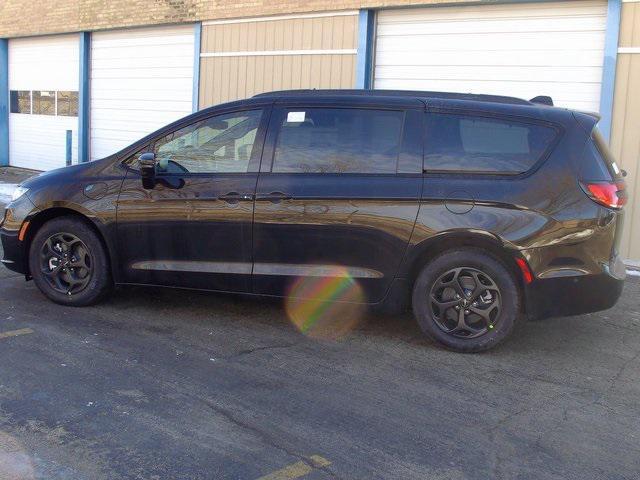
(4,102)
(344,13)
(197,38)
(607,91)
(366,45)
(629,49)
(84,98)
(269,53)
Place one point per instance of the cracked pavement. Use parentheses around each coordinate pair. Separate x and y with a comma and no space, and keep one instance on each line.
(156,384)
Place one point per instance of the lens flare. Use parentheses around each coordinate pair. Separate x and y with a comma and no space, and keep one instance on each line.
(325,304)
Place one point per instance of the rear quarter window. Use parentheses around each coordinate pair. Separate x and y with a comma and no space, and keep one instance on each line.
(600,162)
(463,143)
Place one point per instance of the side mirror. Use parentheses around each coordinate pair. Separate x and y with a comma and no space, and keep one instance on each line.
(148,169)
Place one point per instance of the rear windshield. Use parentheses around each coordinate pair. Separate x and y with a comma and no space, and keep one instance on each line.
(463,143)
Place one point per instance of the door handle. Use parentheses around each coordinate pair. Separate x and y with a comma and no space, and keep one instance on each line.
(235,197)
(274,197)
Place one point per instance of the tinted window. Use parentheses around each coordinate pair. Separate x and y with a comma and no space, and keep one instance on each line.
(464,143)
(44,103)
(68,104)
(223,143)
(20,101)
(319,140)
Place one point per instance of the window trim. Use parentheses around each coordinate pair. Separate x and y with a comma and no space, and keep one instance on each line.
(559,129)
(274,129)
(126,156)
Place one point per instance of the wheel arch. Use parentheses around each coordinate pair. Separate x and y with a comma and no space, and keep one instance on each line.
(424,252)
(43,216)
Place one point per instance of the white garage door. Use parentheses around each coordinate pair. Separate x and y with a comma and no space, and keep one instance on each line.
(141,79)
(43,84)
(522,50)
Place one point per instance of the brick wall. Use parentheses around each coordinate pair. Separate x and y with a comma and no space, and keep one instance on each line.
(28,17)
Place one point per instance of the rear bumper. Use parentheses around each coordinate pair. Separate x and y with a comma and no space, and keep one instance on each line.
(574,295)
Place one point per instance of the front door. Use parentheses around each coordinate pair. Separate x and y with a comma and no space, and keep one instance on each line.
(337,197)
(194,228)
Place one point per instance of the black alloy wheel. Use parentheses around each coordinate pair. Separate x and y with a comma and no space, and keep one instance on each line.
(466,299)
(66,263)
(69,263)
(465,302)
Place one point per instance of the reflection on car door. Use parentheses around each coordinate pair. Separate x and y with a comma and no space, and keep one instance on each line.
(194,228)
(338,195)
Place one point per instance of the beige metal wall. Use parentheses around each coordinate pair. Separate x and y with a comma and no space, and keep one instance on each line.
(625,137)
(243,57)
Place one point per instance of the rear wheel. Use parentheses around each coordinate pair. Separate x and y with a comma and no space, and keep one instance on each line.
(68,262)
(466,300)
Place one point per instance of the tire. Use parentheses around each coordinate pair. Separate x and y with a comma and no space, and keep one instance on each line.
(69,264)
(480,278)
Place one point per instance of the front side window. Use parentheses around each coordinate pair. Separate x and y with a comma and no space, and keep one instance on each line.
(474,144)
(220,144)
(334,140)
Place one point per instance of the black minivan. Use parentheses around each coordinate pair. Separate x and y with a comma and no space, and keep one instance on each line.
(476,210)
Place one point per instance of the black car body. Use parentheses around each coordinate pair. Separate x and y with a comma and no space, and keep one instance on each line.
(407,177)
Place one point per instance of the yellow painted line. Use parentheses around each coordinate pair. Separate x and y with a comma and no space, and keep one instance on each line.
(15,333)
(298,469)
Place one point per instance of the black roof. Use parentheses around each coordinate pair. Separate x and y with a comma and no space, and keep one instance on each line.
(399,93)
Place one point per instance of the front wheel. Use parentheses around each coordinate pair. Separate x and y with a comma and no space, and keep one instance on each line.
(68,262)
(466,300)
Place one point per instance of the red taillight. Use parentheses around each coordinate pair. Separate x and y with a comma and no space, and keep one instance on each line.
(609,194)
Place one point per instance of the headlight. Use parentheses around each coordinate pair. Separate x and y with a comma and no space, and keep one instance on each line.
(18,192)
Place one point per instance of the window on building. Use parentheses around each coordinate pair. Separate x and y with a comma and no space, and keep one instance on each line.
(334,140)
(67,104)
(473,144)
(20,101)
(220,144)
(44,102)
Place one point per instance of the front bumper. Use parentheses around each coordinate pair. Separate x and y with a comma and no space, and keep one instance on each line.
(575,295)
(15,254)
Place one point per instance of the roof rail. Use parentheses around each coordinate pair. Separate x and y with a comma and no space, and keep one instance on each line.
(542,100)
(398,93)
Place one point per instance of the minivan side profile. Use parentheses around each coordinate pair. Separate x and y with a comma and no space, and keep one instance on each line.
(475,210)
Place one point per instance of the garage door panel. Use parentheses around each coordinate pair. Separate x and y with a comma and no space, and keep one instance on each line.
(505,42)
(537,58)
(509,25)
(495,73)
(47,63)
(569,9)
(182,54)
(141,80)
(521,49)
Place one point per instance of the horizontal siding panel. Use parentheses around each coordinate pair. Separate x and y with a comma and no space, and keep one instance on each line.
(238,76)
(141,79)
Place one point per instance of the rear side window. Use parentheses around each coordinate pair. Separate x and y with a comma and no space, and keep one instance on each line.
(334,140)
(474,144)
